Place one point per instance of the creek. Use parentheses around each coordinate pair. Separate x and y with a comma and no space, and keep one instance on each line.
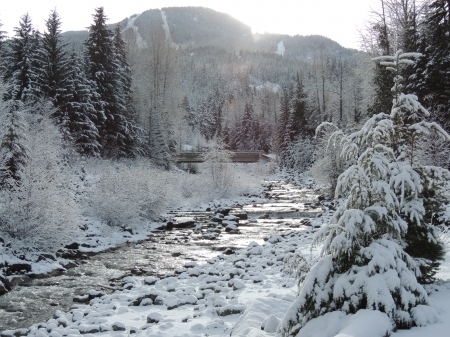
(164,252)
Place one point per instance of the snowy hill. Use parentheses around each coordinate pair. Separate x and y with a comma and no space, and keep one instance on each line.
(197,27)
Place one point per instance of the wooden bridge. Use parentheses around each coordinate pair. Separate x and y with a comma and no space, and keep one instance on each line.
(237,157)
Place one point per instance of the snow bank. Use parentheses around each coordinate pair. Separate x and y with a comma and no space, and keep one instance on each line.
(252,320)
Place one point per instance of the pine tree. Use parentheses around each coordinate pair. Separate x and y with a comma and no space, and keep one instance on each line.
(299,108)
(53,73)
(80,110)
(124,95)
(21,61)
(13,150)
(364,264)
(110,120)
(281,140)
(189,113)
(2,51)
(432,72)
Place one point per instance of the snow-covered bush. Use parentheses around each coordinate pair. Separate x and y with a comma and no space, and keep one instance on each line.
(328,163)
(217,160)
(301,154)
(38,212)
(382,238)
(127,193)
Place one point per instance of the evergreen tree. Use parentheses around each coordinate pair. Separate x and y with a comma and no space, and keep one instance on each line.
(189,113)
(124,95)
(299,108)
(52,80)
(432,73)
(382,78)
(21,61)
(282,125)
(110,113)
(364,264)
(13,151)
(80,110)
(2,51)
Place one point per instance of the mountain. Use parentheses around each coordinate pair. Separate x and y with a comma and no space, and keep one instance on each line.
(195,27)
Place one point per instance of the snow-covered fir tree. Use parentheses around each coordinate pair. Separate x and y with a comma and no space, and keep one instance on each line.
(52,74)
(369,259)
(2,48)
(80,110)
(13,148)
(21,63)
(102,70)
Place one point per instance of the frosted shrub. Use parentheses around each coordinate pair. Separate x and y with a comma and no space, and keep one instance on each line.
(328,163)
(382,239)
(38,213)
(126,194)
(301,154)
(217,160)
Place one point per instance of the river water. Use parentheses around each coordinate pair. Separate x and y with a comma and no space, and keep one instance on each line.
(163,253)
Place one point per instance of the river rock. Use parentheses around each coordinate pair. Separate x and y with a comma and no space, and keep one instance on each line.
(230,310)
(150,280)
(46,257)
(265,216)
(3,289)
(241,215)
(270,324)
(217,218)
(175,304)
(15,333)
(186,223)
(223,211)
(88,328)
(118,326)
(18,268)
(154,317)
(228,251)
(74,245)
(68,264)
(231,218)
(230,228)
(151,294)
(210,236)
(54,272)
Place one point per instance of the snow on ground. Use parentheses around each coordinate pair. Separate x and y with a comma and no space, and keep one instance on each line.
(202,300)
(280,48)
(167,30)
(130,25)
(243,294)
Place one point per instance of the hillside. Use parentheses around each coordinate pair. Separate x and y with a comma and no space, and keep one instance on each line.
(194,27)
(205,74)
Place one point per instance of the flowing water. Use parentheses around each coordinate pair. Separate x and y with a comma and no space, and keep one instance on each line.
(163,253)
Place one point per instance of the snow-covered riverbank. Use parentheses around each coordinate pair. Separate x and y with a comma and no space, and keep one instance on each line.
(243,294)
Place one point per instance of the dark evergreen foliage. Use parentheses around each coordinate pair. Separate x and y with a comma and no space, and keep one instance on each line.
(13,151)
(102,69)
(21,61)
(80,110)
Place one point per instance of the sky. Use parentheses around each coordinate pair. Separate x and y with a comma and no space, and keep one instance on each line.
(335,19)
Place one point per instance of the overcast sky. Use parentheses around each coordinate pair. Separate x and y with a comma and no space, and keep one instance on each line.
(336,19)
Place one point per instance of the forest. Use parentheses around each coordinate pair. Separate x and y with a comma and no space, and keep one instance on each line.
(92,122)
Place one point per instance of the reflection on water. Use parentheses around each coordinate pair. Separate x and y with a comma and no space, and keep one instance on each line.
(37,300)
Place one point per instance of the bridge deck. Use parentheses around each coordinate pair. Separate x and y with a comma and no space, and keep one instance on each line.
(237,157)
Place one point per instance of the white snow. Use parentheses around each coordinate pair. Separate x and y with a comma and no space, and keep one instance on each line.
(167,30)
(281,49)
(243,294)
(139,40)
